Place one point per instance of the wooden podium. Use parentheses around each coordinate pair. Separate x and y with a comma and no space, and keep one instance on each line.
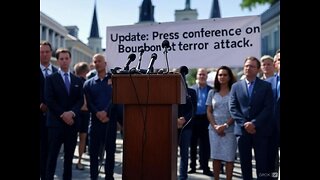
(150,123)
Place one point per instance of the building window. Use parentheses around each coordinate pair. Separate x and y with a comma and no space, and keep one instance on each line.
(276,41)
(264,45)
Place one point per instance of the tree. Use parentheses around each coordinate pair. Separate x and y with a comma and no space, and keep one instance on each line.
(252,3)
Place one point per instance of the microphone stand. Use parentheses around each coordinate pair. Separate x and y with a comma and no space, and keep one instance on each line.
(166,55)
(139,63)
(137,68)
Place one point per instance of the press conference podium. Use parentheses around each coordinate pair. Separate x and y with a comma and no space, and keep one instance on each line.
(150,125)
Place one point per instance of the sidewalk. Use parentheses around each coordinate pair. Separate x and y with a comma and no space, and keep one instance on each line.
(85,174)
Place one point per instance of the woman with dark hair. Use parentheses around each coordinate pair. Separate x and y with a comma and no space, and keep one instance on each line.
(223,144)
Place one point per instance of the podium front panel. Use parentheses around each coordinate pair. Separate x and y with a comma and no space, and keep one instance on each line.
(150,142)
(150,123)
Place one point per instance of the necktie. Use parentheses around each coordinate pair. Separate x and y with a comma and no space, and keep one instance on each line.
(278,86)
(250,87)
(46,72)
(67,82)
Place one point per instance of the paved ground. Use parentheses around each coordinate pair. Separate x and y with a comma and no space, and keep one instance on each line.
(85,175)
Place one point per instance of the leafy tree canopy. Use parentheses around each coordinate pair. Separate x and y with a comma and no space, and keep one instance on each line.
(249,4)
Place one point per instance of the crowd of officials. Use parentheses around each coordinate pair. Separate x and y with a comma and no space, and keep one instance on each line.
(232,115)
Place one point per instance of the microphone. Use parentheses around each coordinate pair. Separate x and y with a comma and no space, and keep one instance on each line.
(140,58)
(150,67)
(166,45)
(131,58)
(184,71)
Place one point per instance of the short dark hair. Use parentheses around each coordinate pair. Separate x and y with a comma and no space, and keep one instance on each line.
(252,58)
(81,67)
(47,43)
(62,50)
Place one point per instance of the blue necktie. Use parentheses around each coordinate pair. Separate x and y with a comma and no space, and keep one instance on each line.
(250,88)
(46,72)
(67,82)
(278,86)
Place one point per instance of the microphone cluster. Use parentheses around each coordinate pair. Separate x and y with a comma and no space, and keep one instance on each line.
(137,69)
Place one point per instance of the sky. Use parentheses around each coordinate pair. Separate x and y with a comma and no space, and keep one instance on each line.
(126,12)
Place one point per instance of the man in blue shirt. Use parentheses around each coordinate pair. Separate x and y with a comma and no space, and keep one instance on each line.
(200,125)
(98,92)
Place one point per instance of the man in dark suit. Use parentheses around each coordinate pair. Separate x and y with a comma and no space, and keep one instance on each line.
(251,106)
(46,68)
(274,143)
(200,125)
(64,97)
(184,123)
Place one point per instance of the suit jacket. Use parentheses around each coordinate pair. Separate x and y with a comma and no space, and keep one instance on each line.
(258,109)
(273,81)
(58,100)
(42,78)
(188,110)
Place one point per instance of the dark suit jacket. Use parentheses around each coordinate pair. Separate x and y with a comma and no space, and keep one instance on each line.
(188,110)
(273,81)
(257,109)
(58,100)
(42,78)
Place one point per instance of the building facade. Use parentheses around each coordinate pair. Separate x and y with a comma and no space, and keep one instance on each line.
(64,37)
(54,32)
(270,30)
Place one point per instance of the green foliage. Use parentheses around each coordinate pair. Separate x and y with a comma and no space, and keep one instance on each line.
(252,3)
(191,76)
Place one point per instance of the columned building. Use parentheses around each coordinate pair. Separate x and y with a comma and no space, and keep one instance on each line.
(52,31)
(64,37)
(79,50)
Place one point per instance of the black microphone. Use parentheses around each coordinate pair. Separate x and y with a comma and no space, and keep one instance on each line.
(166,45)
(131,58)
(140,58)
(150,67)
(184,71)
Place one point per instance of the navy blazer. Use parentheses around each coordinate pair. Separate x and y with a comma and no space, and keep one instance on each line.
(188,110)
(58,100)
(257,109)
(273,81)
(42,78)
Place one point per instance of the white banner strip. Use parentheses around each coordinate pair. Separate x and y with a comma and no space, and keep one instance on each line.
(196,43)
